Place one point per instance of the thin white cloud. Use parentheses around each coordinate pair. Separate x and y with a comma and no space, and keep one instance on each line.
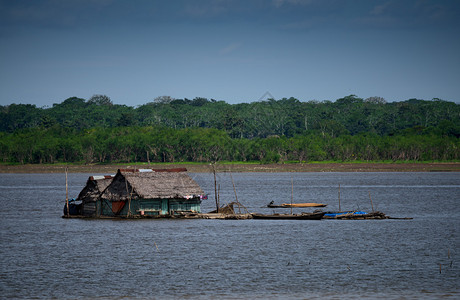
(230,48)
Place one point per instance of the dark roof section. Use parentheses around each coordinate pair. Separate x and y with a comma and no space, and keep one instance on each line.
(94,187)
(152,184)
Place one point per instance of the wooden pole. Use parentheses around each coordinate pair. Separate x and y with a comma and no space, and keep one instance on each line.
(292,191)
(215,187)
(372,205)
(339,199)
(66,192)
(218,194)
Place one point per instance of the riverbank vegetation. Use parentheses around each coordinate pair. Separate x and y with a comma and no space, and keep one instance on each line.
(202,130)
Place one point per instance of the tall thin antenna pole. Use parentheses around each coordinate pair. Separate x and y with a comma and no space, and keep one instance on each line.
(66,192)
(218,194)
(215,187)
(292,191)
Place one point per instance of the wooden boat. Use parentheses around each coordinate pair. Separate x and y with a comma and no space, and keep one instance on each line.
(355,215)
(295,205)
(303,216)
(338,214)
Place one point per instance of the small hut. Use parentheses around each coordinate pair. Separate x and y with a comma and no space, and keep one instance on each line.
(89,195)
(150,193)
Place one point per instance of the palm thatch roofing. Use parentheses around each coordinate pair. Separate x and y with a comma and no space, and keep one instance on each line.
(94,187)
(152,184)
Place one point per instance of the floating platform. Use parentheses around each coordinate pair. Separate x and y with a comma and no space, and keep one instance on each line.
(214,216)
(295,205)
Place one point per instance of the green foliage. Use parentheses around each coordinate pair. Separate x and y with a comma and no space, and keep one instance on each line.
(285,117)
(19,116)
(202,130)
(161,144)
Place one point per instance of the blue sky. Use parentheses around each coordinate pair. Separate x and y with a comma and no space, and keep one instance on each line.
(231,50)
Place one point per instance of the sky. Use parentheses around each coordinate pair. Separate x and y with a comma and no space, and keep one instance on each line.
(231,50)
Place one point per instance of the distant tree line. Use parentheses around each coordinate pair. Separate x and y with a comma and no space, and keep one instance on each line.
(202,130)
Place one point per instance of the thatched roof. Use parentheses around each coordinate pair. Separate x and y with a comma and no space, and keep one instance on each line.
(94,187)
(152,184)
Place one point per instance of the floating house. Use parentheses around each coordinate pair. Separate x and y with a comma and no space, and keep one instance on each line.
(89,195)
(149,193)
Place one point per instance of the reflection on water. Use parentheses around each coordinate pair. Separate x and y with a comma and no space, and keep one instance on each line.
(45,256)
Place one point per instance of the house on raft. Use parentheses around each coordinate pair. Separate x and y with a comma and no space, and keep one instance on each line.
(137,193)
(90,194)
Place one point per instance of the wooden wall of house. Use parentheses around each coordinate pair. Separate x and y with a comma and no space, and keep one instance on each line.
(89,208)
(112,208)
(149,207)
(185,205)
(152,207)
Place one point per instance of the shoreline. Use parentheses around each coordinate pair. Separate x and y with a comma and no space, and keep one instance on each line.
(269,168)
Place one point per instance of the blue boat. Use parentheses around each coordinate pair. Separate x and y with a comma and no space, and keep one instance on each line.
(355,215)
(331,214)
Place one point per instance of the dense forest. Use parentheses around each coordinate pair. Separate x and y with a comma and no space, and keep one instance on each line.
(203,130)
